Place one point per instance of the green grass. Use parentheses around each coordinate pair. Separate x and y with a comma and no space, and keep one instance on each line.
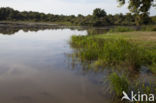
(119,83)
(153,68)
(149,28)
(124,50)
(121,29)
(131,49)
(130,29)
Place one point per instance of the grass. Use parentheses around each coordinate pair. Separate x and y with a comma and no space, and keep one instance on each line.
(119,83)
(131,49)
(149,28)
(121,29)
(130,29)
(122,49)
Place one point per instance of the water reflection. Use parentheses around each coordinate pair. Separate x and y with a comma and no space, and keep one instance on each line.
(142,80)
(13,30)
(122,72)
(34,68)
(10,29)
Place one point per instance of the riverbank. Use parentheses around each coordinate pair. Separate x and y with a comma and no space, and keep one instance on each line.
(132,49)
(127,55)
(25,23)
(33,23)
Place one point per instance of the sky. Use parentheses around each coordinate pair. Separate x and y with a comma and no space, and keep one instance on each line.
(67,7)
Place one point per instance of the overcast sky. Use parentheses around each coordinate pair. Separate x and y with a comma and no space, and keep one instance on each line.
(67,7)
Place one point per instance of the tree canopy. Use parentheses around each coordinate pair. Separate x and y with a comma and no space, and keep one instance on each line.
(140,8)
(99,13)
(98,18)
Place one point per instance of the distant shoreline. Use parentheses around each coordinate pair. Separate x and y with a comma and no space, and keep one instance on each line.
(25,24)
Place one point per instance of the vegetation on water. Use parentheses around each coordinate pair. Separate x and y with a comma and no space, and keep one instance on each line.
(120,83)
(113,50)
(120,48)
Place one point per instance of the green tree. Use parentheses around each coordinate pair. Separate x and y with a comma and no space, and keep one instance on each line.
(140,8)
(98,13)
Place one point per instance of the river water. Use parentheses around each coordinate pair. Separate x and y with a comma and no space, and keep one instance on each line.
(35,67)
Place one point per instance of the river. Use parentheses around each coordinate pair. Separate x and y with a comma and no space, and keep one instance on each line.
(35,67)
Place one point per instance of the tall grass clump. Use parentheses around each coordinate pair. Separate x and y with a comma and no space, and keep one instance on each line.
(153,68)
(110,51)
(119,83)
(121,29)
(148,28)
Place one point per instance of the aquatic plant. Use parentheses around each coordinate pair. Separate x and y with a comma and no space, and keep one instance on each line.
(111,51)
(119,83)
(153,68)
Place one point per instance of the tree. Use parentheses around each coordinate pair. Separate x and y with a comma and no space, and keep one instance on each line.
(98,13)
(140,8)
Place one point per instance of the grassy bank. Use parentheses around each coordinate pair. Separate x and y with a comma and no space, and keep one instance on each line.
(131,49)
(131,29)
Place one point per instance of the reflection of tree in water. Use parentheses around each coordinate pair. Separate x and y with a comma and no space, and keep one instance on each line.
(10,29)
(13,30)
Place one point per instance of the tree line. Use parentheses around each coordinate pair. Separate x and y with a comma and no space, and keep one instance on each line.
(98,18)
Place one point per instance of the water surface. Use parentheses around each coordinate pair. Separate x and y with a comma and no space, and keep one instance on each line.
(35,68)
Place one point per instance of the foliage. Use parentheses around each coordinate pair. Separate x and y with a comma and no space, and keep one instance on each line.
(111,51)
(98,13)
(148,28)
(140,8)
(98,18)
(119,83)
(121,29)
(154,19)
(153,68)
